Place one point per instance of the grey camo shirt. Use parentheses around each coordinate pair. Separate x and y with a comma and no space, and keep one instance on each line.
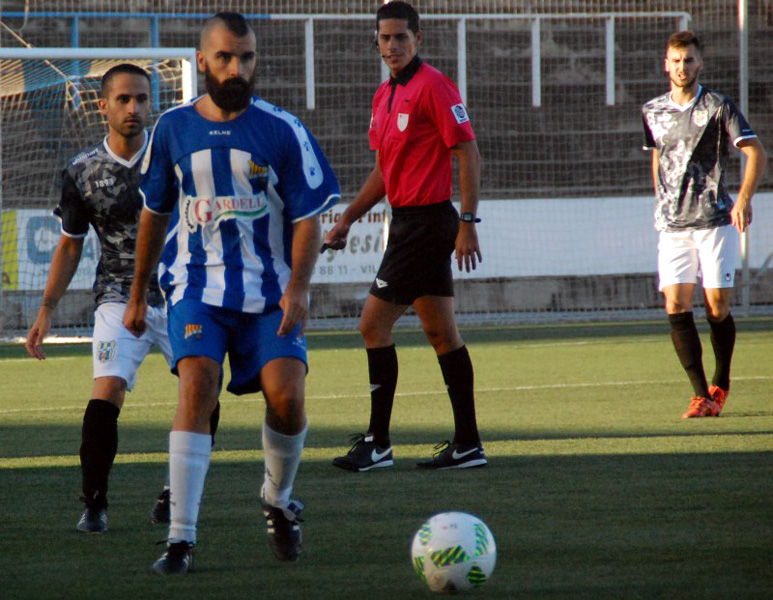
(101,190)
(693,144)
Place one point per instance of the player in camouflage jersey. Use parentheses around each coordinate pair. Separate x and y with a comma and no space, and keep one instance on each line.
(690,130)
(100,189)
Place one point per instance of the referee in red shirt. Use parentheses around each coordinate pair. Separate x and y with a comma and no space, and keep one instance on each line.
(418,123)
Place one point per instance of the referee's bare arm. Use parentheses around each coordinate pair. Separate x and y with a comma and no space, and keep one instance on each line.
(150,243)
(468,252)
(371,193)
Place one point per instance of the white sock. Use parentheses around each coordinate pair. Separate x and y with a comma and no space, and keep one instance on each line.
(188,463)
(282,457)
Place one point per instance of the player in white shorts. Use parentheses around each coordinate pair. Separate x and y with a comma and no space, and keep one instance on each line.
(113,211)
(689,131)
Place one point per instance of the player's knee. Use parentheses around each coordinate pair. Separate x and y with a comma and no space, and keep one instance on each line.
(717,313)
(374,334)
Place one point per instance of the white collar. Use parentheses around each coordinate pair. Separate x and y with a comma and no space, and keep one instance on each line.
(684,107)
(133,160)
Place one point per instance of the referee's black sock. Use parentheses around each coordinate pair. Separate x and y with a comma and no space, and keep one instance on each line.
(723,342)
(99,444)
(458,375)
(687,344)
(382,371)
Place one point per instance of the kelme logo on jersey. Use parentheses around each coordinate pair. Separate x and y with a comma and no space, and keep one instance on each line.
(203,210)
(700,117)
(105,351)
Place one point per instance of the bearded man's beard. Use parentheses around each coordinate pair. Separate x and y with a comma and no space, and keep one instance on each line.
(232,95)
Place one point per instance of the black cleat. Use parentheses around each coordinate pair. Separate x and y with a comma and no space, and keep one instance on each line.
(93,519)
(177,559)
(160,511)
(364,455)
(284,529)
(455,456)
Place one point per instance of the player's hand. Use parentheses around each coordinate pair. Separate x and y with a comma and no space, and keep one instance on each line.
(36,334)
(468,253)
(295,309)
(134,317)
(335,239)
(741,215)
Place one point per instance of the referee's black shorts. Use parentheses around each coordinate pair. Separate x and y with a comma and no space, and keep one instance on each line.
(417,261)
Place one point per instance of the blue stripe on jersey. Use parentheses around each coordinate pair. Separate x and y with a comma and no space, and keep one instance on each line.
(269,287)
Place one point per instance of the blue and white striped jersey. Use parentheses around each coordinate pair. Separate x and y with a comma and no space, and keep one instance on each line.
(234,191)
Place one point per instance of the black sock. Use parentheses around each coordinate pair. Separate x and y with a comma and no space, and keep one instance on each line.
(688,348)
(723,342)
(456,367)
(382,371)
(99,444)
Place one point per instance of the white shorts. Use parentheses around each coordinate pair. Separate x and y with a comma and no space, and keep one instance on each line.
(116,352)
(714,252)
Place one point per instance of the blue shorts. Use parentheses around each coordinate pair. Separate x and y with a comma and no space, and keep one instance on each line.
(251,341)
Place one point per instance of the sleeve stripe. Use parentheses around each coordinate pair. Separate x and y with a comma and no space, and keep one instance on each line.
(331,200)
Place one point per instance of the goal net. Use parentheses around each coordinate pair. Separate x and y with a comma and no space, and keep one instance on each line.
(48,102)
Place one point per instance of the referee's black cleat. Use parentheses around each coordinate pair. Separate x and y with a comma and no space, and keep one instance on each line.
(160,511)
(93,519)
(284,529)
(455,456)
(364,455)
(177,559)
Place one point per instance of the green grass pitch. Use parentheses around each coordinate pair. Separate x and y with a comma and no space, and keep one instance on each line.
(595,489)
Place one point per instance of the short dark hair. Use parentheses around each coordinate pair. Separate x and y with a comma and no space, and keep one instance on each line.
(234,22)
(122,68)
(398,10)
(684,39)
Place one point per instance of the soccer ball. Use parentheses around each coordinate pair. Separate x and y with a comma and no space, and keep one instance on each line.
(454,552)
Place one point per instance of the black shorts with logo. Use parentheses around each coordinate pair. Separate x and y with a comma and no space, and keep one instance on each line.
(417,261)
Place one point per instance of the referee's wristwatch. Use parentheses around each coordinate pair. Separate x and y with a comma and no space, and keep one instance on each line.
(469,217)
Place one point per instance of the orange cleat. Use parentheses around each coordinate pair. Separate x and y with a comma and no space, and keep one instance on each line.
(719,396)
(702,407)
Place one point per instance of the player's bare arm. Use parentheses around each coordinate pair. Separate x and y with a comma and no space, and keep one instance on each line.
(468,252)
(295,300)
(63,266)
(756,160)
(150,243)
(371,193)
(655,167)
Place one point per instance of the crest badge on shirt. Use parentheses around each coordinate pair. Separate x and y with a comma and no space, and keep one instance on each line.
(460,113)
(402,121)
(700,117)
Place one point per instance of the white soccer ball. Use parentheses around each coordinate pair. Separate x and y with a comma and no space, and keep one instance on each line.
(454,552)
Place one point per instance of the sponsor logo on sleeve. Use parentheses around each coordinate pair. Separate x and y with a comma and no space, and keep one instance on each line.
(460,113)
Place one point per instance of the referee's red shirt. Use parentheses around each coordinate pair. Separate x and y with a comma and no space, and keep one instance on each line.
(417,119)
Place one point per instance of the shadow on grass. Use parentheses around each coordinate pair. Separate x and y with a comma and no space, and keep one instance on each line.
(30,440)
(617,526)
